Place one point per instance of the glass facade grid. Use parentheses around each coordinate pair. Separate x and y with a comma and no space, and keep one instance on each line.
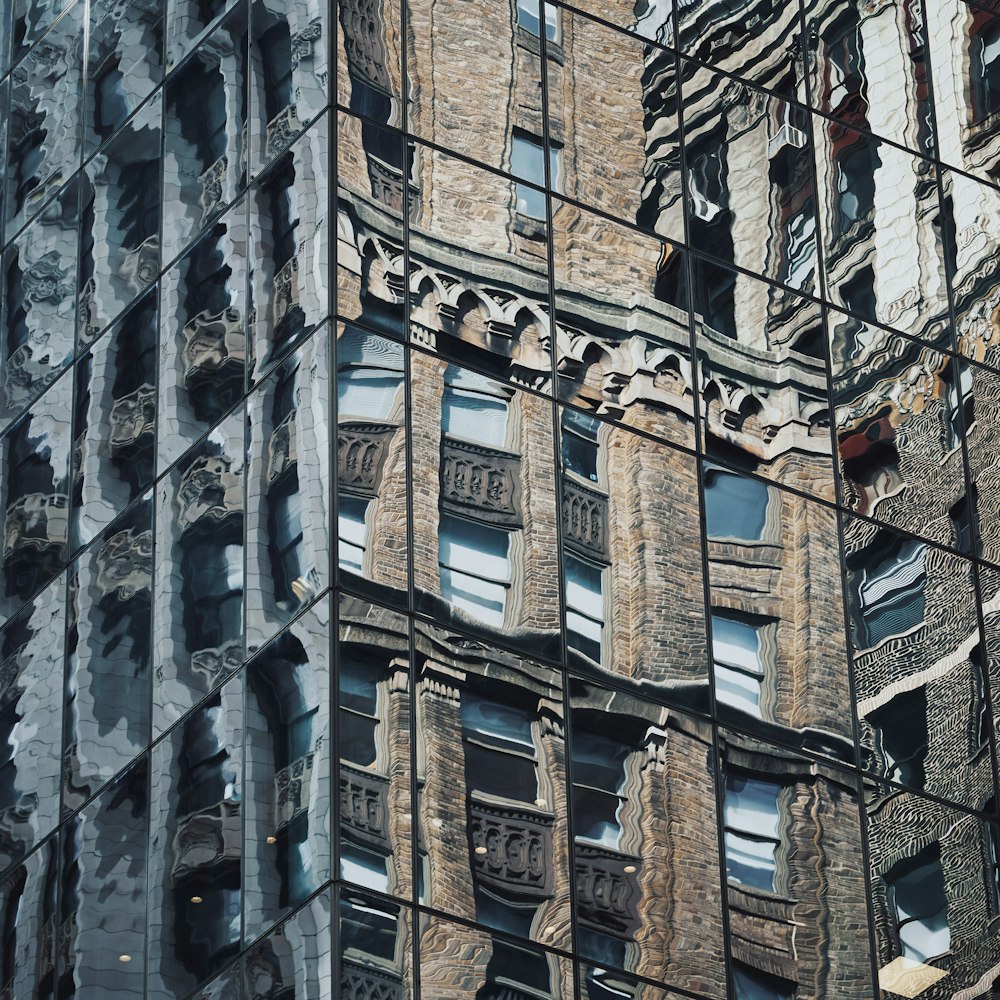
(646,598)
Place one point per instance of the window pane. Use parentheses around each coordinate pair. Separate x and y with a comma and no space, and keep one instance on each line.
(735,506)
(357,738)
(752,806)
(732,687)
(480,598)
(583,589)
(351,532)
(494,772)
(750,862)
(595,816)
(475,417)
(502,722)
(474,548)
(736,644)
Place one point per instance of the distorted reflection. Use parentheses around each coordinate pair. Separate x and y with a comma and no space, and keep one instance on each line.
(109,649)
(102,906)
(32,645)
(120,222)
(373,716)
(116,384)
(376,948)
(492,809)
(288,237)
(797,915)
(622,557)
(198,621)
(288,770)
(294,962)
(497,966)
(483,449)
(371,461)
(919,665)
(288,494)
(901,409)
(196,845)
(645,855)
(777,651)
(203,313)
(204,131)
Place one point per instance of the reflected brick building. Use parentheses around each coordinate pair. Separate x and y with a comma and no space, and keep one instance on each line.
(500,500)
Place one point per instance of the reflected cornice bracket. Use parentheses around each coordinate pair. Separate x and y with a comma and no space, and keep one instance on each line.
(361,455)
(607,894)
(518,848)
(585,520)
(364,808)
(484,482)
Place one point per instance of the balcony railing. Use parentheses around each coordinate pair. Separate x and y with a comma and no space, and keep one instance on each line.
(518,848)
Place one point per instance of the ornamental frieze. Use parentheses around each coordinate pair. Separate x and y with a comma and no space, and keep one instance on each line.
(481,481)
(361,454)
(511,848)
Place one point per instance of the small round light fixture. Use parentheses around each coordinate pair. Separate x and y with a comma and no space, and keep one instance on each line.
(272,840)
(629,869)
(124,958)
(197,899)
(480,850)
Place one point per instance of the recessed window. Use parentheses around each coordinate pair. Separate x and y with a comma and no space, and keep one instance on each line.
(352,514)
(474,408)
(984,65)
(358,712)
(917,896)
(369,376)
(584,606)
(737,662)
(474,562)
(891,594)
(900,729)
(499,749)
(528,18)
(752,984)
(580,448)
(598,788)
(750,816)
(735,505)
(528,163)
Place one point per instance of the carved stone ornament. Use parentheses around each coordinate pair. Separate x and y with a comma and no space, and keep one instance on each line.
(132,416)
(36,521)
(207,839)
(213,341)
(281,449)
(286,289)
(141,265)
(585,520)
(518,843)
(607,895)
(216,661)
(302,41)
(365,982)
(209,489)
(30,368)
(291,790)
(361,453)
(364,808)
(213,188)
(125,564)
(281,130)
(45,280)
(480,480)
